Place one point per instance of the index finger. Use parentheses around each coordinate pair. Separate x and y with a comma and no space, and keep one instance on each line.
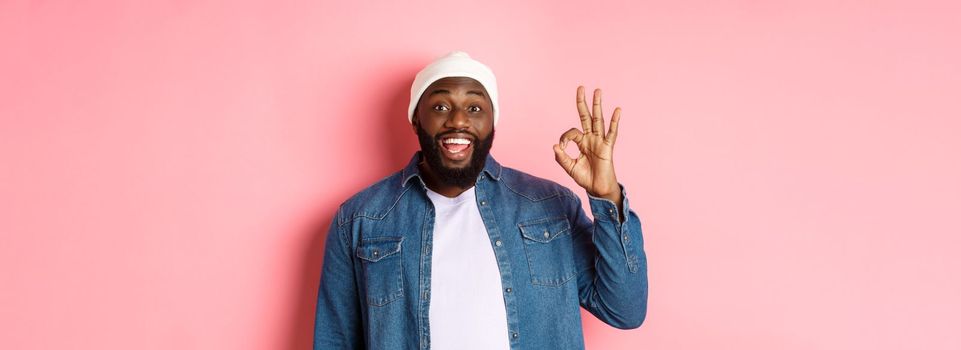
(582,110)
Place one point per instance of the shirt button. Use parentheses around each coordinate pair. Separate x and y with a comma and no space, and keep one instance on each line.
(483,202)
(498,243)
(626,238)
(546,235)
(376,253)
(610,210)
(514,335)
(509,290)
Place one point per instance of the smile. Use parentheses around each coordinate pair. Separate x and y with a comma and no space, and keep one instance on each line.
(456,148)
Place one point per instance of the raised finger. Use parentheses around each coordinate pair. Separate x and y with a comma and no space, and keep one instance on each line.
(582,110)
(615,122)
(597,125)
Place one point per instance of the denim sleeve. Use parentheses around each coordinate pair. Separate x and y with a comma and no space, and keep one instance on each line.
(612,266)
(337,324)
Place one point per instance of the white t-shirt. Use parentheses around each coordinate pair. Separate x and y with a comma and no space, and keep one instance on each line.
(466,302)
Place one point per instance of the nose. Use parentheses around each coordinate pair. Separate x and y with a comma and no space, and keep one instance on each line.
(458,119)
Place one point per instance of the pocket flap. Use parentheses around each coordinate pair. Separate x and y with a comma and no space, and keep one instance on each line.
(544,230)
(374,249)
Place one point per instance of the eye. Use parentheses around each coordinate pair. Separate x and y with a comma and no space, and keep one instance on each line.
(440,108)
(474,109)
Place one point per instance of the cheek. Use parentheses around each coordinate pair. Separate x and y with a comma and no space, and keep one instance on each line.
(427,120)
(432,125)
(485,123)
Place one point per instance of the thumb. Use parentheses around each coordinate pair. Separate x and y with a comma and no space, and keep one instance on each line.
(563,159)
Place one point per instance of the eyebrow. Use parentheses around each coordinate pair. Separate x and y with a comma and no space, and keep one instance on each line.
(469,92)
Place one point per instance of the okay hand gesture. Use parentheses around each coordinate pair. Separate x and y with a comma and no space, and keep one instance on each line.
(594,168)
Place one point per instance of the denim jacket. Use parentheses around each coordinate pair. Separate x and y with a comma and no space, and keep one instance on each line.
(375,282)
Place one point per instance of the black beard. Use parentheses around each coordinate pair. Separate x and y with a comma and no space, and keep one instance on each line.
(458,177)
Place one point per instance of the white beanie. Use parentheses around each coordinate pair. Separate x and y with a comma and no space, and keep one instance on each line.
(454,64)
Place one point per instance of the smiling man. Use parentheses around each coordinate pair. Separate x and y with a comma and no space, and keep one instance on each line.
(456,251)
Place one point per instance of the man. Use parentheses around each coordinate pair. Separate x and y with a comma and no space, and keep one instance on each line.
(456,251)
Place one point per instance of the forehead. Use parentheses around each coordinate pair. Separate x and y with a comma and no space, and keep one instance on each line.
(457,84)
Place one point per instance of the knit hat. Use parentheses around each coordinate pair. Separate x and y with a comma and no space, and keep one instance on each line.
(454,64)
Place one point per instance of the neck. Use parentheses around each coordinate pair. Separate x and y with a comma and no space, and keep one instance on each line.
(434,184)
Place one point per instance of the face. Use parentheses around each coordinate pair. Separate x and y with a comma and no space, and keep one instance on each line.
(455,127)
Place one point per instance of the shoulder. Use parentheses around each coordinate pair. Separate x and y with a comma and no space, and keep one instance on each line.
(374,201)
(532,187)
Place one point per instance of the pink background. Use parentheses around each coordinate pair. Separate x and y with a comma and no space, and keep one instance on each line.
(167,170)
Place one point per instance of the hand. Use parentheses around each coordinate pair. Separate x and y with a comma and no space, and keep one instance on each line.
(594,168)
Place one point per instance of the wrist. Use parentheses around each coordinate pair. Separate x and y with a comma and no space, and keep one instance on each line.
(614,197)
(613,194)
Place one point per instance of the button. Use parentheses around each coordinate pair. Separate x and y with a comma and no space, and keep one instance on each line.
(509,290)
(546,235)
(376,253)
(609,210)
(514,335)
(626,238)
(483,202)
(498,243)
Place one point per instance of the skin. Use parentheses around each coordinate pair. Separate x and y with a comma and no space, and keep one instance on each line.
(454,104)
(462,105)
(594,168)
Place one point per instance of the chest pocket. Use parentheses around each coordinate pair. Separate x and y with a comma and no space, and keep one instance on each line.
(550,252)
(383,269)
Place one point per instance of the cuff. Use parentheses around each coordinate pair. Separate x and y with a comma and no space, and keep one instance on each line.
(606,210)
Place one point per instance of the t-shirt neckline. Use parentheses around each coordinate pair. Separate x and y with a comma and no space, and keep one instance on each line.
(440,199)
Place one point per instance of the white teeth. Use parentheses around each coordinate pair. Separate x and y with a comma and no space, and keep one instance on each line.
(457,141)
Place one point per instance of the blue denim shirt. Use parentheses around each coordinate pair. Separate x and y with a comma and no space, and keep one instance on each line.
(375,283)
